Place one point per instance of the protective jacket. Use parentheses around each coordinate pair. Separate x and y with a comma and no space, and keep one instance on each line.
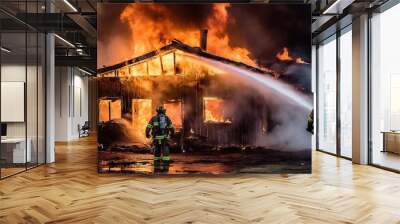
(160,127)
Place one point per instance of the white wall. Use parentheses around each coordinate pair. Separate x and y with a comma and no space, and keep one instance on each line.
(71,102)
(33,127)
(62,82)
(14,73)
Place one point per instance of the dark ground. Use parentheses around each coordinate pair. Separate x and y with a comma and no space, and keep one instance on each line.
(271,161)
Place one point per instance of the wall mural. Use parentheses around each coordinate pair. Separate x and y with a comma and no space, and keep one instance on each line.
(204,88)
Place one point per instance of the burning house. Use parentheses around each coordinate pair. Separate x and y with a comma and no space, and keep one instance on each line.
(230,112)
(203,102)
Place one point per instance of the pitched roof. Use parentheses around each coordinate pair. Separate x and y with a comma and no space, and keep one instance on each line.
(176,44)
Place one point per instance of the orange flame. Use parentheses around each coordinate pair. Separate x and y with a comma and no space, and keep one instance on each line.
(151,32)
(214,110)
(284,55)
(141,114)
(174,111)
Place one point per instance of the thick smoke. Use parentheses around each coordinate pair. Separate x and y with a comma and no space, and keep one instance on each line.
(112,36)
(290,122)
(299,74)
(290,132)
(249,100)
(130,132)
(289,119)
(296,74)
(289,108)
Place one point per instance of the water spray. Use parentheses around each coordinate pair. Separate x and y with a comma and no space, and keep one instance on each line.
(265,81)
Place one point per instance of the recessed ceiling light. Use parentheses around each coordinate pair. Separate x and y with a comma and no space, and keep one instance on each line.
(326,11)
(86,72)
(70,5)
(5,50)
(64,40)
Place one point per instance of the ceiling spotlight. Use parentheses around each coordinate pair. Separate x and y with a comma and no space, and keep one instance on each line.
(70,5)
(5,50)
(84,71)
(64,40)
(337,7)
(79,51)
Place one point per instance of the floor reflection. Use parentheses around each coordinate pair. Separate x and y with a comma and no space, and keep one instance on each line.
(202,164)
(386,159)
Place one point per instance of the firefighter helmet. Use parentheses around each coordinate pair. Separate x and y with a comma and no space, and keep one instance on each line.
(161,110)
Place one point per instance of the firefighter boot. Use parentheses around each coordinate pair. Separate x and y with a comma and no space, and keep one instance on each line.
(165,158)
(157,158)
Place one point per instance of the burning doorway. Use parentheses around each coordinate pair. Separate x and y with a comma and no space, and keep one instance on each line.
(141,114)
(174,110)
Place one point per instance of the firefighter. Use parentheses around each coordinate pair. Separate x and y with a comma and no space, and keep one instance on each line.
(161,128)
(310,122)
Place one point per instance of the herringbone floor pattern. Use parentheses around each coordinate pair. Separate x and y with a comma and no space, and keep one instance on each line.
(71,191)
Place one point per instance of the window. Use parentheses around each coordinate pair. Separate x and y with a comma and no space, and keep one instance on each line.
(110,109)
(346,93)
(385,88)
(327,96)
